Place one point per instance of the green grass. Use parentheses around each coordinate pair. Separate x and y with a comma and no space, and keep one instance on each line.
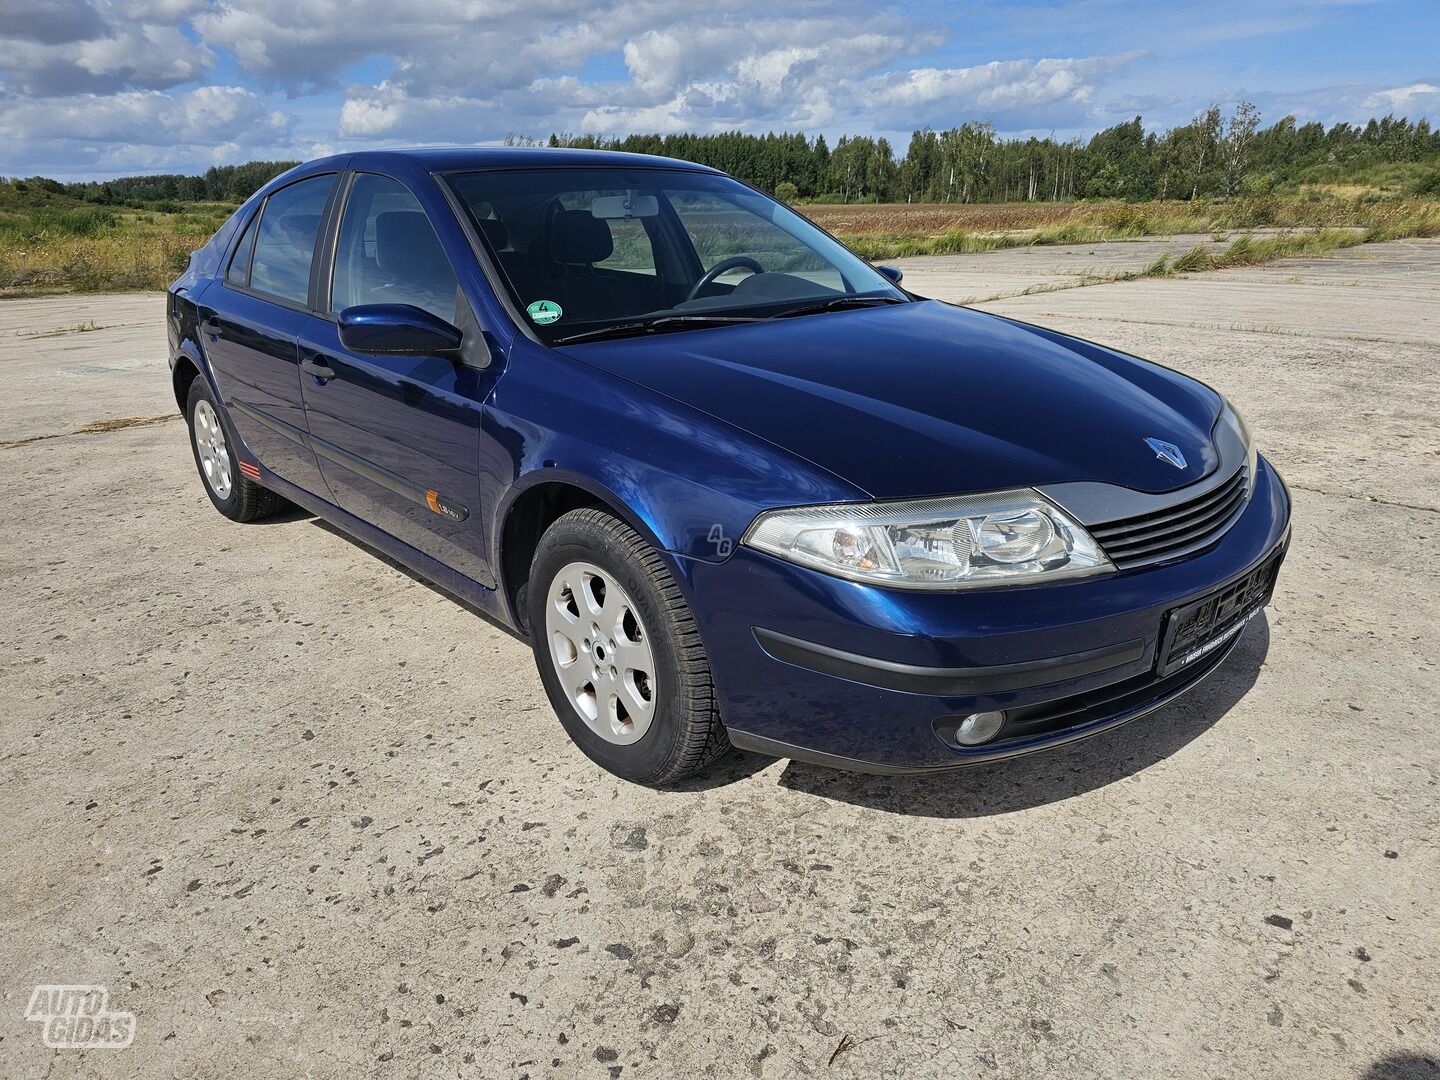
(1245,251)
(29,225)
(78,328)
(1378,178)
(63,245)
(1248,251)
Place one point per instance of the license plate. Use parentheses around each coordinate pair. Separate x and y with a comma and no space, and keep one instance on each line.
(1196,630)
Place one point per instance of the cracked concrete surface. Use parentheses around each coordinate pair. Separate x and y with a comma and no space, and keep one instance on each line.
(305,816)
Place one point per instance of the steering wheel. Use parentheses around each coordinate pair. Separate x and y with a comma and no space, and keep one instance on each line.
(724,266)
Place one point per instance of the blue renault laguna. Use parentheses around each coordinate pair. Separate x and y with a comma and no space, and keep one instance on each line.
(734,485)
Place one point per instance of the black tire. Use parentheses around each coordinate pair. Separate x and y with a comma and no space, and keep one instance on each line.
(246,500)
(686,733)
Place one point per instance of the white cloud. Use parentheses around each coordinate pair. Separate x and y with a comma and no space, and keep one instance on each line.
(158,11)
(1355,104)
(200,117)
(51,23)
(371,115)
(999,86)
(444,46)
(90,81)
(755,66)
(1421,95)
(664,118)
(76,46)
(808,86)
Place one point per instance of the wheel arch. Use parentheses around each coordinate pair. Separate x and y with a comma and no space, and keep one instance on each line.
(187,368)
(531,510)
(181,377)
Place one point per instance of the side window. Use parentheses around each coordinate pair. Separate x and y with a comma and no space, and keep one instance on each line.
(285,244)
(388,253)
(239,272)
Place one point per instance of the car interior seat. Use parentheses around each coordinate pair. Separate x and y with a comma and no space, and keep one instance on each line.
(411,266)
(575,242)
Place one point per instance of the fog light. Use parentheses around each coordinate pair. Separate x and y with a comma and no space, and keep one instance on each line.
(979,728)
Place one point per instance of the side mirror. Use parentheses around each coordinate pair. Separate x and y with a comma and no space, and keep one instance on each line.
(396,330)
(894,273)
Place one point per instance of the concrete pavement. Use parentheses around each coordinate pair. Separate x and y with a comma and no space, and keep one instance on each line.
(306,816)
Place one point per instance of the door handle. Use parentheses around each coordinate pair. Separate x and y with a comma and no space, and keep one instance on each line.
(317,368)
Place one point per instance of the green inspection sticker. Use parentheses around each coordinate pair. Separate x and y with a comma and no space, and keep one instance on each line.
(544,312)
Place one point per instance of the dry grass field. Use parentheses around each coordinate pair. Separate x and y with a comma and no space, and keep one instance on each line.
(1311,210)
(62,245)
(888,230)
(81,248)
(934,219)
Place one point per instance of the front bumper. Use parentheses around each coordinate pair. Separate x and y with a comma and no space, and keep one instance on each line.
(813,667)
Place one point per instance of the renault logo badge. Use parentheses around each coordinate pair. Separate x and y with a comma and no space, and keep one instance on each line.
(1166,452)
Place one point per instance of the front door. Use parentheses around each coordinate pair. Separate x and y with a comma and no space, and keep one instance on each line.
(397,436)
(251,324)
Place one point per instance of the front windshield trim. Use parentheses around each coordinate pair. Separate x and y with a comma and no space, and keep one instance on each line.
(512,300)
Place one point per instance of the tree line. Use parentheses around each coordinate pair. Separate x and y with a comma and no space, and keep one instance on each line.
(219,183)
(1214,155)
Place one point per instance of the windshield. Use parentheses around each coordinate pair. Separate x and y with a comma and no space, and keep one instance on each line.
(592,253)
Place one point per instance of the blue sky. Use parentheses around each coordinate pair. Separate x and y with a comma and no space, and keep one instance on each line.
(109,87)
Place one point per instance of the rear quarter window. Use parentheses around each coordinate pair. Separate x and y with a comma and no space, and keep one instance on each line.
(239,272)
(285,240)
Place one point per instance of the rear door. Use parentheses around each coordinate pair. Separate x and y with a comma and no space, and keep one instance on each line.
(397,436)
(252,323)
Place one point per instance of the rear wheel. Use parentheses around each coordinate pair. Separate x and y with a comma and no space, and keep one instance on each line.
(619,652)
(234,494)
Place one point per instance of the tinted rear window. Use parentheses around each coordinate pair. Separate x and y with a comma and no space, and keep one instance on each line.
(239,272)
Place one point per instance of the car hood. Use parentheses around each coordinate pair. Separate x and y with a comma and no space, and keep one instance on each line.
(928,399)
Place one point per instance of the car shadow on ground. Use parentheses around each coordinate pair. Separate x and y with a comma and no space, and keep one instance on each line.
(730,768)
(394,564)
(1054,775)
(984,790)
(1406,1067)
(291,513)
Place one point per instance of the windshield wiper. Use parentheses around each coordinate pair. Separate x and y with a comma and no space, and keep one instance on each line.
(839,303)
(661,325)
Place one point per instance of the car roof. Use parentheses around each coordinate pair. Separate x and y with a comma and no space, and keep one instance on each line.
(450,158)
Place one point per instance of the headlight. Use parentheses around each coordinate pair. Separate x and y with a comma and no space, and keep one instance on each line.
(1005,538)
(1231,418)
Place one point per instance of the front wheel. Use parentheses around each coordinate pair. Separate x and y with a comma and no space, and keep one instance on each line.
(619,652)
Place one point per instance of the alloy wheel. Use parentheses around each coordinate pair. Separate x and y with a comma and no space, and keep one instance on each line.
(210,447)
(601,652)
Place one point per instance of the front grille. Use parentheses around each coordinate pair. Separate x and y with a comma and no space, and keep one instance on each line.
(1178,530)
